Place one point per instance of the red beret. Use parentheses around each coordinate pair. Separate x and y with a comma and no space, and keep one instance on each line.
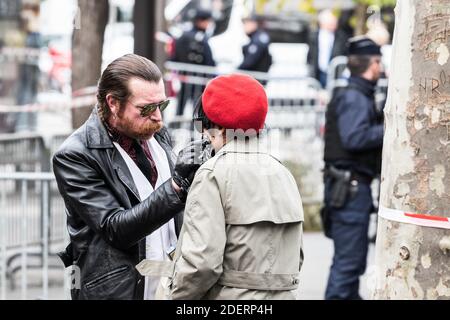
(235,101)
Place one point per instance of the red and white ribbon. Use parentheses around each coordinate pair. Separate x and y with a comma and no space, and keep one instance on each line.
(424,220)
(77,102)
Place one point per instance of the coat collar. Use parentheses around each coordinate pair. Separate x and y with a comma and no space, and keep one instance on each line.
(97,137)
(96,134)
(123,172)
(251,145)
(363,85)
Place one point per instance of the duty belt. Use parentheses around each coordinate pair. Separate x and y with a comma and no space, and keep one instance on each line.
(361,177)
(354,175)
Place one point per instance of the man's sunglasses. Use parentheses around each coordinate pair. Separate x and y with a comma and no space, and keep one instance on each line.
(149,108)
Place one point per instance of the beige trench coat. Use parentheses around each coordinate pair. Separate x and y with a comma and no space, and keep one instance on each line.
(242,231)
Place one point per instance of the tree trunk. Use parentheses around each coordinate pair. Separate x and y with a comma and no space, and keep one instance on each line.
(412,262)
(87,48)
(148,19)
(360,17)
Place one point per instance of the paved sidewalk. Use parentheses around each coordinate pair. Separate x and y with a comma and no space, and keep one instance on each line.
(314,274)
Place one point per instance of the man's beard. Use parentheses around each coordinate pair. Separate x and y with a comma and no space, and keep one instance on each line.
(143,132)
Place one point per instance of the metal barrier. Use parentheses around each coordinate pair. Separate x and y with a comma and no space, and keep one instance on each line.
(23,152)
(32,220)
(337,75)
(28,152)
(32,214)
(295,120)
(23,149)
(53,144)
(293,100)
(337,78)
(32,229)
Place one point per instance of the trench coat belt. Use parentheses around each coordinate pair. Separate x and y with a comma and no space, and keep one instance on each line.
(229,278)
(259,281)
(155,268)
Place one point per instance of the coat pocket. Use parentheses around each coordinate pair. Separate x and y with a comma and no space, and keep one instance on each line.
(102,279)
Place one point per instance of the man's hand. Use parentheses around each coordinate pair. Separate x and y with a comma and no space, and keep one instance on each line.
(189,160)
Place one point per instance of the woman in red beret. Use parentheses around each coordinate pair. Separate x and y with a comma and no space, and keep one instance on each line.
(243,223)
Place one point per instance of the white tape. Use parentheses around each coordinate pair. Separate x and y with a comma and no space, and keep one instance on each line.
(92,90)
(77,102)
(424,220)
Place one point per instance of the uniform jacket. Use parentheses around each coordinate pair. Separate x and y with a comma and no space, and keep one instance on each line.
(106,219)
(242,233)
(256,53)
(354,131)
(192,47)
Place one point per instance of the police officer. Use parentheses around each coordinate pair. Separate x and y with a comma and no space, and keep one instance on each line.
(256,53)
(353,142)
(192,47)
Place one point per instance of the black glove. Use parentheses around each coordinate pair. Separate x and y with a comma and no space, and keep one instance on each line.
(189,160)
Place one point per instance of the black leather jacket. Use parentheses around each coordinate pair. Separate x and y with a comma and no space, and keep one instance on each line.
(107,221)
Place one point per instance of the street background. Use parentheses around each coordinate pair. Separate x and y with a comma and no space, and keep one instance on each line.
(47,90)
(313,276)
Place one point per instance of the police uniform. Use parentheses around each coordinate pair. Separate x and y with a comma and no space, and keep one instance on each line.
(353,142)
(256,53)
(193,48)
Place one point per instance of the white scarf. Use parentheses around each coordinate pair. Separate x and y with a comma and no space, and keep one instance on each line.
(159,241)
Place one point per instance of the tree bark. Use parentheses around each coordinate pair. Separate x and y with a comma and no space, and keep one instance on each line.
(412,262)
(144,28)
(360,17)
(87,48)
(148,19)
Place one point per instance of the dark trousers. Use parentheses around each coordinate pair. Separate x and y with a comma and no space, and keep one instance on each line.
(189,91)
(323,78)
(348,229)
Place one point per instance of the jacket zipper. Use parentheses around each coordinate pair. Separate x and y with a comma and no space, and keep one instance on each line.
(108,275)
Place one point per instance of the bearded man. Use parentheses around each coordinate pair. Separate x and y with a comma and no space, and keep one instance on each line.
(123,190)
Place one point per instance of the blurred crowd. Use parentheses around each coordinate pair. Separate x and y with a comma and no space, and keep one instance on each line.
(328,31)
(352,150)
